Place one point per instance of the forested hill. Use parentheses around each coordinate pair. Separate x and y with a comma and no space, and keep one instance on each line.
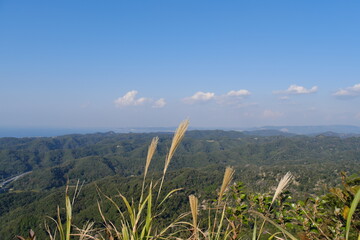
(114,162)
(93,156)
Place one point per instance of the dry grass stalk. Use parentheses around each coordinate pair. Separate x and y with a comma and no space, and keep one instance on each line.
(151,151)
(86,231)
(178,136)
(194,212)
(108,227)
(284,182)
(49,232)
(229,173)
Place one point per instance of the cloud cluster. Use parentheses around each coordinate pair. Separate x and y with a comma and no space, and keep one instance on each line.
(348,92)
(296,89)
(231,97)
(199,97)
(129,99)
(239,93)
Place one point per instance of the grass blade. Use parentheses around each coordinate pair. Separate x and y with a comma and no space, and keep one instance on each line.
(68,216)
(354,204)
(168,195)
(59,225)
(220,224)
(275,225)
(254,232)
(129,208)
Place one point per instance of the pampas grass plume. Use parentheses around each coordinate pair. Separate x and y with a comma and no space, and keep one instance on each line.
(194,212)
(284,182)
(229,173)
(150,154)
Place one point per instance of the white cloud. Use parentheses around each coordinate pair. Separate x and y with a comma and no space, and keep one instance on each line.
(239,93)
(129,99)
(341,92)
(295,89)
(159,103)
(348,92)
(199,97)
(233,97)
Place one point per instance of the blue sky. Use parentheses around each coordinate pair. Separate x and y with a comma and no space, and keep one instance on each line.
(154,63)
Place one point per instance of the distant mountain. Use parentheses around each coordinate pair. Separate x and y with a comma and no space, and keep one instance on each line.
(335,130)
(46,132)
(268,133)
(53,132)
(334,134)
(338,130)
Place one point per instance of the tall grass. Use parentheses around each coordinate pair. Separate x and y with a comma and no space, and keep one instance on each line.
(194,202)
(64,230)
(137,221)
(216,229)
(178,136)
(283,183)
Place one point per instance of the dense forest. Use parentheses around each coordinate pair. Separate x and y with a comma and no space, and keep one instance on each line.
(107,163)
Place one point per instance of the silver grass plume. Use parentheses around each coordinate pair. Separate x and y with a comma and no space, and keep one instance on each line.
(229,173)
(178,136)
(284,182)
(150,154)
(194,212)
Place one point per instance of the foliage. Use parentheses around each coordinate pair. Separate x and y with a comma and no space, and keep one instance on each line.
(145,208)
(321,217)
(234,214)
(54,160)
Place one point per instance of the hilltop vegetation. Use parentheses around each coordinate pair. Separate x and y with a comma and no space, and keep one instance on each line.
(116,162)
(94,156)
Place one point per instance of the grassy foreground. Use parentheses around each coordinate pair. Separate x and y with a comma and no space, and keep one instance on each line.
(233,214)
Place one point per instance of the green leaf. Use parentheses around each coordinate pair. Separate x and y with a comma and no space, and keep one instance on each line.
(68,216)
(354,204)
(129,208)
(169,194)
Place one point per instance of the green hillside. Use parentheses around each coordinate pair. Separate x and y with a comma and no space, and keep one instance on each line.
(115,162)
